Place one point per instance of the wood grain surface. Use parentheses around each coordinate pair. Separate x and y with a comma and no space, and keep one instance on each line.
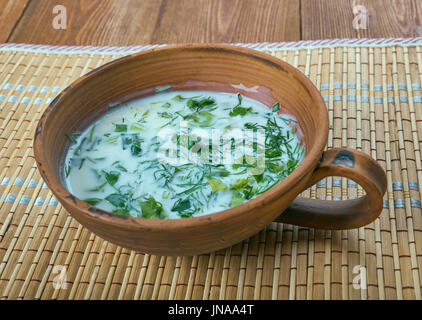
(10,13)
(129,22)
(321,19)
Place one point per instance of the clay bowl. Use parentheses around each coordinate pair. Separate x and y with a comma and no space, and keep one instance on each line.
(219,68)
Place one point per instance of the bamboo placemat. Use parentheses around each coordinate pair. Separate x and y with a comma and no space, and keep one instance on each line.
(374,99)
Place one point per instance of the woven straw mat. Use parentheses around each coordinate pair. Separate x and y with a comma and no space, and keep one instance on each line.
(374,100)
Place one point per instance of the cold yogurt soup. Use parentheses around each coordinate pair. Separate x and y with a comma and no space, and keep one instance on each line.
(180,154)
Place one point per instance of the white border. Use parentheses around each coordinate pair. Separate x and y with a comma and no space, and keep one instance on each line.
(304,44)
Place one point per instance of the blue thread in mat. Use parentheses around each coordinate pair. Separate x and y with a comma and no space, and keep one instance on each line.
(39,201)
(390,87)
(53,202)
(339,85)
(5,181)
(321,184)
(20,87)
(399,204)
(56,89)
(337,97)
(417,99)
(38,101)
(351,97)
(33,183)
(32,88)
(416,86)
(364,99)
(13,99)
(325,98)
(19,181)
(44,186)
(402,86)
(378,87)
(45,89)
(413,185)
(25,100)
(2,97)
(48,100)
(10,198)
(390,99)
(351,197)
(25,199)
(378,100)
(397,186)
(351,184)
(403,99)
(8,86)
(385,204)
(336,182)
(336,198)
(415,203)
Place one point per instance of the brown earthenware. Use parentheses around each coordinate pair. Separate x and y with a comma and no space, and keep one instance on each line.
(219,68)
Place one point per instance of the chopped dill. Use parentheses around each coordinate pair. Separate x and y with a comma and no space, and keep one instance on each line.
(137,184)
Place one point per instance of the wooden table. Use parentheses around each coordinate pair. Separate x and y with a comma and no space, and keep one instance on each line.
(133,22)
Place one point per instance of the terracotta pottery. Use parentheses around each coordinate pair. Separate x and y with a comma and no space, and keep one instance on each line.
(217,68)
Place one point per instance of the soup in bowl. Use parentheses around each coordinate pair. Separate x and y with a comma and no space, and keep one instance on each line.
(142,151)
(181,154)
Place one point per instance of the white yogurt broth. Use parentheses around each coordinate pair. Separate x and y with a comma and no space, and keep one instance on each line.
(124,161)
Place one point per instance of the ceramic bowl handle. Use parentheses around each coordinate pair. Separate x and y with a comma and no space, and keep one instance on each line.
(343,214)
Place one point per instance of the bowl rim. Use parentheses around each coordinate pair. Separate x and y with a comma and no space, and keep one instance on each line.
(309,162)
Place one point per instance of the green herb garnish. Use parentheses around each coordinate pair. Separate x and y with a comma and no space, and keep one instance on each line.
(116,199)
(237,199)
(99,188)
(110,107)
(120,127)
(164,89)
(152,208)
(184,208)
(189,188)
(73,136)
(111,177)
(216,185)
(238,110)
(136,127)
(91,134)
(178,98)
(93,201)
